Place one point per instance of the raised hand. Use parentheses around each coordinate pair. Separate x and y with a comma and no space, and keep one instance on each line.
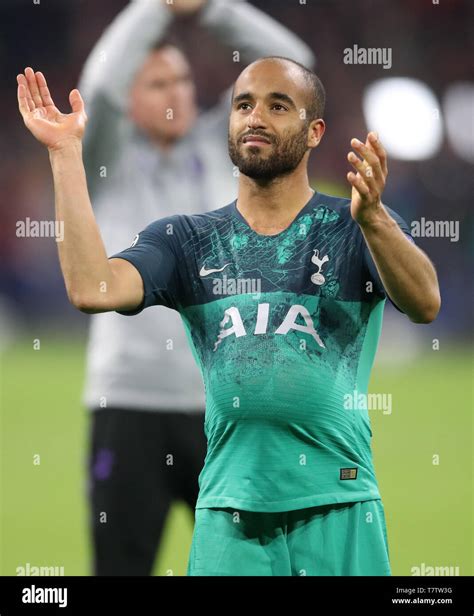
(369,182)
(184,7)
(51,127)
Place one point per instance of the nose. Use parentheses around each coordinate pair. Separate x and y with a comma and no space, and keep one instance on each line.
(255,119)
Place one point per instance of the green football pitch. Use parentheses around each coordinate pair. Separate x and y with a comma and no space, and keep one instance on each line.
(423,452)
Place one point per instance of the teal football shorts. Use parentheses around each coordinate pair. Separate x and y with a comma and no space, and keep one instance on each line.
(337,539)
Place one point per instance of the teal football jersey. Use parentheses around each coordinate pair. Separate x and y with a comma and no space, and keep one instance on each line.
(284,329)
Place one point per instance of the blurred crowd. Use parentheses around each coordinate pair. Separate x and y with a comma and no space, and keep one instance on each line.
(429,41)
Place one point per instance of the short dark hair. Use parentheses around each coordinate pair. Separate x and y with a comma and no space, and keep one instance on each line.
(316,91)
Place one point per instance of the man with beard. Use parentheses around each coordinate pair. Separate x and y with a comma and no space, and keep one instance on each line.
(288,485)
(150,152)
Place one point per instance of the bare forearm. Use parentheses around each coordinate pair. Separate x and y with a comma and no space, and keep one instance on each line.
(84,264)
(406,272)
(93,282)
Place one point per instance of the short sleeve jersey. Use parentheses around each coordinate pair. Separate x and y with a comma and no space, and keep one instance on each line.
(284,329)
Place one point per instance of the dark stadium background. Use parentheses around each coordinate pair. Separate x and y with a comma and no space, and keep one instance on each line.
(428,506)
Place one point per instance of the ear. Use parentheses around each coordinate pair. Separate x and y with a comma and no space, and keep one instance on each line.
(315,132)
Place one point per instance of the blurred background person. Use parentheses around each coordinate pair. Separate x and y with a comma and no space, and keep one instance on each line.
(149,153)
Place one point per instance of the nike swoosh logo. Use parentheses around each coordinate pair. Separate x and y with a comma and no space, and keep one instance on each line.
(206,272)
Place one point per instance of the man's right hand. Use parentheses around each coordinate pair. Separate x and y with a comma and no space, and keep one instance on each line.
(51,127)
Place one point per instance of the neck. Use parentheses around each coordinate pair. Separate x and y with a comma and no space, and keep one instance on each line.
(270,207)
(165,145)
(158,140)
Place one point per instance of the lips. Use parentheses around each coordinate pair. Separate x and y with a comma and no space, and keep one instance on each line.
(255,140)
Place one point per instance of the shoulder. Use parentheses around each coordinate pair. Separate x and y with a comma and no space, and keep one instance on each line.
(333,208)
(198,221)
(178,228)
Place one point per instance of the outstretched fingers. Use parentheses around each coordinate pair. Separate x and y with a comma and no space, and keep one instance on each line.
(77,104)
(379,150)
(44,90)
(33,86)
(22,100)
(25,94)
(358,183)
(370,165)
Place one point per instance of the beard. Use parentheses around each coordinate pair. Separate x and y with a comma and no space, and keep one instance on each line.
(287,153)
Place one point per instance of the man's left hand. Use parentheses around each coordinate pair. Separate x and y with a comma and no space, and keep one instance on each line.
(369,181)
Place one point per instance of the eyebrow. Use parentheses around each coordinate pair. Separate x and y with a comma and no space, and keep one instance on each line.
(281,96)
